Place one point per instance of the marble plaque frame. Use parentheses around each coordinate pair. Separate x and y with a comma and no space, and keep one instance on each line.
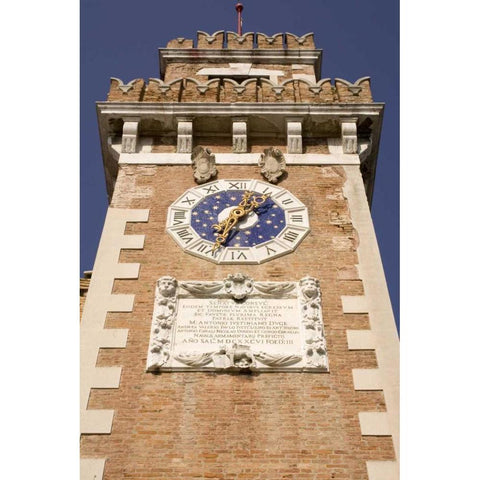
(237,298)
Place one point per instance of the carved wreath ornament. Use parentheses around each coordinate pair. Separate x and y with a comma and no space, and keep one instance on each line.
(273,164)
(299,300)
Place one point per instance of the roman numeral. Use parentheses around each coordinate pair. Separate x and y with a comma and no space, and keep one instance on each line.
(270,250)
(287,201)
(297,218)
(207,249)
(188,200)
(290,236)
(238,185)
(211,189)
(185,235)
(179,217)
(240,256)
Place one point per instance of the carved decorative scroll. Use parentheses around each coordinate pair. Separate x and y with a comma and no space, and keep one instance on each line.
(237,324)
(203,164)
(273,164)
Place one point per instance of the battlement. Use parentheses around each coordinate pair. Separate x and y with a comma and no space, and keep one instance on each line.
(247,41)
(252,90)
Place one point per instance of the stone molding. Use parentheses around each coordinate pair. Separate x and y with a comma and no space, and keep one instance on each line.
(312,356)
(382,336)
(147,109)
(237,159)
(93,335)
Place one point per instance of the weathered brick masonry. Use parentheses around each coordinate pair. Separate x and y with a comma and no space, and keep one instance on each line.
(268,426)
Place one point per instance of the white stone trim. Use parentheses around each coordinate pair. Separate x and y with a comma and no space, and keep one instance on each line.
(184,135)
(237,159)
(355,304)
(244,70)
(374,424)
(360,340)
(92,468)
(99,301)
(151,109)
(349,135)
(382,470)
(367,379)
(239,135)
(376,302)
(294,135)
(130,135)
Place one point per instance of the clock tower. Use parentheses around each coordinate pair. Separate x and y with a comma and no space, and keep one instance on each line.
(237,323)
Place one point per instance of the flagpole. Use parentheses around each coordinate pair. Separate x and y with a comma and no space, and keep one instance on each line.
(239,8)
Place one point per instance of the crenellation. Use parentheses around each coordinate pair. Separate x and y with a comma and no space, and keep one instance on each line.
(214,41)
(131,92)
(240,42)
(295,42)
(159,91)
(180,42)
(270,42)
(357,92)
(252,90)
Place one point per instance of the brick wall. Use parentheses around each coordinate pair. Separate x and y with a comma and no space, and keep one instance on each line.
(221,426)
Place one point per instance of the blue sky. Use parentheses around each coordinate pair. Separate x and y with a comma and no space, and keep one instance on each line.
(121,39)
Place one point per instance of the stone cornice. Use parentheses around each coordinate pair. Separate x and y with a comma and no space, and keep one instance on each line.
(212,56)
(276,113)
(144,109)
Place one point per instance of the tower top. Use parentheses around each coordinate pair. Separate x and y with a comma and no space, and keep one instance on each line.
(239,9)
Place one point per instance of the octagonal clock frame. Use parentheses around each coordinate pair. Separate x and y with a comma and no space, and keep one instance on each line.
(191,216)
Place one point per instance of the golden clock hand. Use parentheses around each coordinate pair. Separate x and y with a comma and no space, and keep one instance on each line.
(249,202)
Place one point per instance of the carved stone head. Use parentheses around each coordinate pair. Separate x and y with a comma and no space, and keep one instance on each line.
(241,357)
(167,286)
(203,164)
(309,287)
(238,285)
(273,164)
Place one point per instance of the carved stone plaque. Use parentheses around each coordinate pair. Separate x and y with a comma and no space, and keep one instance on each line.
(237,324)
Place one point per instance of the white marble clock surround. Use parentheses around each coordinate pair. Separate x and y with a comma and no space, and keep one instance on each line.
(286,241)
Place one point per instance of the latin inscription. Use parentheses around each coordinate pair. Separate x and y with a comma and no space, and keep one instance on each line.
(272,324)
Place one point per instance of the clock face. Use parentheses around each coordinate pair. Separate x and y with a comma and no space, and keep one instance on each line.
(274,228)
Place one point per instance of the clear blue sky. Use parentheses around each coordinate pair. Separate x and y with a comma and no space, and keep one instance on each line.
(121,39)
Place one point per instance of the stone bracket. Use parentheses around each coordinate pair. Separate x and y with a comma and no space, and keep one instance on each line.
(184,135)
(349,135)
(239,134)
(130,135)
(294,135)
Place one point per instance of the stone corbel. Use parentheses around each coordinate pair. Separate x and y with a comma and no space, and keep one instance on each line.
(130,135)
(239,134)
(294,135)
(184,135)
(349,135)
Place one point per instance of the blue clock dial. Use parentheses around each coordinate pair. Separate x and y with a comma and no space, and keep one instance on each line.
(259,226)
